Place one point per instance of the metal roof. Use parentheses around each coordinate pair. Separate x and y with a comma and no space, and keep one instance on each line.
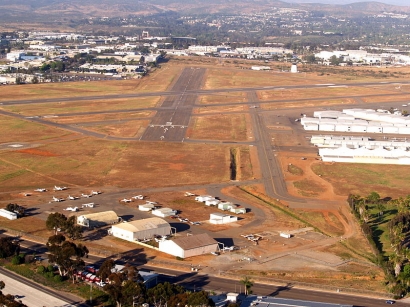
(144,224)
(101,216)
(195,241)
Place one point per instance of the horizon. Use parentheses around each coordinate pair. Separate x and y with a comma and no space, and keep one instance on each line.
(342,2)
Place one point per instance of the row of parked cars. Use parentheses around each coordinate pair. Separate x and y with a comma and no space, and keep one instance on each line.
(89,274)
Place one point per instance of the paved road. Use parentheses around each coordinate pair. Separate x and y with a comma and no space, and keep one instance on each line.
(35,295)
(215,282)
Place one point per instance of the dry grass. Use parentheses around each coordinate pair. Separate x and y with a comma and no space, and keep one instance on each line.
(91,119)
(220,109)
(362,179)
(123,128)
(89,162)
(326,221)
(82,106)
(326,92)
(308,188)
(224,127)
(16,130)
(307,104)
(228,97)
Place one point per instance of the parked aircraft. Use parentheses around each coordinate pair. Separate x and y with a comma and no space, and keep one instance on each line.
(138,197)
(89,205)
(125,200)
(71,197)
(56,188)
(27,194)
(189,194)
(75,209)
(151,202)
(40,190)
(95,192)
(57,199)
(86,195)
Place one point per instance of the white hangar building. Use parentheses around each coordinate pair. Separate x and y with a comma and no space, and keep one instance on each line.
(189,246)
(141,229)
(98,219)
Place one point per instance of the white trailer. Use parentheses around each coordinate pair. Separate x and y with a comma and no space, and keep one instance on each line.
(8,214)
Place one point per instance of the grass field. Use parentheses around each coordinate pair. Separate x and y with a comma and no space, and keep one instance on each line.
(89,162)
(83,106)
(123,128)
(158,80)
(228,97)
(90,119)
(306,104)
(16,130)
(222,127)
(325,92)
(362,179)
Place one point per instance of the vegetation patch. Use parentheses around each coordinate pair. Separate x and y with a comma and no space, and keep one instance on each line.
(294,170)
(308,188)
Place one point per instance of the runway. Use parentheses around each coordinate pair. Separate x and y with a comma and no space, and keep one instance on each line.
(171,124)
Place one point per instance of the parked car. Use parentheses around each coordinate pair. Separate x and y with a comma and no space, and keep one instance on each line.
(390,302)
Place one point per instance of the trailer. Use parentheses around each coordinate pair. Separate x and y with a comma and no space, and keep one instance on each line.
(8,214)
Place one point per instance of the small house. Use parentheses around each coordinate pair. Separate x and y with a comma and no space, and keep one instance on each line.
(221,218)
(164,212)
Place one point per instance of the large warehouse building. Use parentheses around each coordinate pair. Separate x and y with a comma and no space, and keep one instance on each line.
(141,229)
(189,246)
(358,120)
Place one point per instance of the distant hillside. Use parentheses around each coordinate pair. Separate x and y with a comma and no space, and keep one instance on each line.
(30,9)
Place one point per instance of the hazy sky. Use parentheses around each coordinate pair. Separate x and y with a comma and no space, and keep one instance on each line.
(395,2)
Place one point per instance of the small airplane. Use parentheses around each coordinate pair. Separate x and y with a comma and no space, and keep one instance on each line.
(56,188)
(27,194)
(95,192)
(75,209)
(89,205)
(69,197)
(125,200)
(57,199)
(138,197)
(151,202)
(189,194)
(40,190)
(86,195)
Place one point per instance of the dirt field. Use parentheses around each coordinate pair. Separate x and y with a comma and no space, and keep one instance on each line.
(40,109)
(220,127)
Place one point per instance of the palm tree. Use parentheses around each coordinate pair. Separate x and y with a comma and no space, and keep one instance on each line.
(248,283)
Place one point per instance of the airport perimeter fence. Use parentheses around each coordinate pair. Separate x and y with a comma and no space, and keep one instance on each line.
(319,287)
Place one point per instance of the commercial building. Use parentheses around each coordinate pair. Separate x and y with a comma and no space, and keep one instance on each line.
(141,229)
(189,246)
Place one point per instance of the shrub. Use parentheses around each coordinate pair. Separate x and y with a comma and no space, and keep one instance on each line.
(50,268)
(41,269)
(49,275)
(58,278)
(15,260)
(179,258)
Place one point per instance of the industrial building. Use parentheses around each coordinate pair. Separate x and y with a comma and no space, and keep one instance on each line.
(189,246)
(362,150)
(358,120)
(141,229)
(98,219)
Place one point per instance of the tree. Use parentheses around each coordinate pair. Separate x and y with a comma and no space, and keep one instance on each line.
(8,248)
(56,222)
(248,283)
(66,255)
(20,210)
(8,300)
(373,197)
(105,269)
